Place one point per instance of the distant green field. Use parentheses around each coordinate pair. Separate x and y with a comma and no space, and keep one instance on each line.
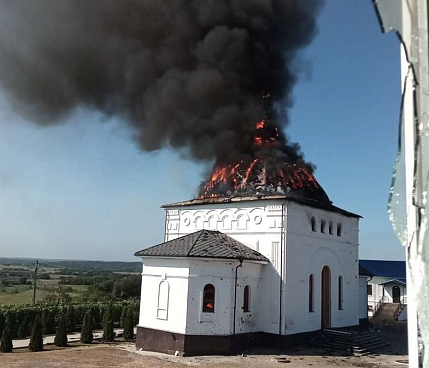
(16,278)
(24,296)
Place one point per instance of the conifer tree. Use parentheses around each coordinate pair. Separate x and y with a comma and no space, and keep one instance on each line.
(129,324)
(2,323)
(36,340)
(108,333)
(86,335)
(50,322)
(71,319)
(6,344)
(23,329)
(61,334)
(44,321)
(123,315)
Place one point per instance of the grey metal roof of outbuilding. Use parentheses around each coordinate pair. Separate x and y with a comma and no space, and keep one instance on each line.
(203,244)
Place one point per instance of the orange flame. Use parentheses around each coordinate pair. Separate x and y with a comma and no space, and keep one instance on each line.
(236,176)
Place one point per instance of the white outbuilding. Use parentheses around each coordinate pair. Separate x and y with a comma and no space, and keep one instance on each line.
(239,272)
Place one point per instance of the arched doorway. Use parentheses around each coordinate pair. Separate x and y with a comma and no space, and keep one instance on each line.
(396,294)
(326,297)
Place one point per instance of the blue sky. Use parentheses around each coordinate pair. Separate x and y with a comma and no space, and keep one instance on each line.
(83,190)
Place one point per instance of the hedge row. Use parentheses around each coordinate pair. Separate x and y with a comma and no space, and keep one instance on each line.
(16,315)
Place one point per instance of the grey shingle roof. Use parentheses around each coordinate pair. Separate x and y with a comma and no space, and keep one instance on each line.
(203,243)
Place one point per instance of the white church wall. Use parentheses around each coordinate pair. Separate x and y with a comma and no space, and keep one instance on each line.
(257,224)
(363,298)
(307,252)
(221,274)
(250,275)
(164,294)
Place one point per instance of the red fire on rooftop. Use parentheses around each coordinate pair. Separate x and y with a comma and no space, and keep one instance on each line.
(269,171)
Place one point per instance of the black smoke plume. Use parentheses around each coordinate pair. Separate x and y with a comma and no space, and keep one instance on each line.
(184,73)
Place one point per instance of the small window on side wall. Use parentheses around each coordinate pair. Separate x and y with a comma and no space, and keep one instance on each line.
(311,293)
(322,226)
(246,299)
(338,229)
(209,299)
(340,293)
(331,228)
(313,224)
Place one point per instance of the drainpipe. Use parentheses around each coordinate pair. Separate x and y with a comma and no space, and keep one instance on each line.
(281,270)
(240,259)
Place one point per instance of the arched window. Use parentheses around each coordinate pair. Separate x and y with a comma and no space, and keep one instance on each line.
(163,295)
(322,226)
(209,299)
(313,224)
(331,228)
(340,293)
(246,299)
(338,229)
(311,293)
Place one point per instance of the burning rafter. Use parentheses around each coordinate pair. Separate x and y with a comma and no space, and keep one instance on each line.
(267,173)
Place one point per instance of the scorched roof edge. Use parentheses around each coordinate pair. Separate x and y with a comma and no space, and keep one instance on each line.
(219,200)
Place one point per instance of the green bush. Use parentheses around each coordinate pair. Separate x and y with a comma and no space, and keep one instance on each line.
(61,334)
(86,335)
(36,341)
(6,344)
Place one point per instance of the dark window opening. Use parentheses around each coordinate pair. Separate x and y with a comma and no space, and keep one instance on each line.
(313,224)
(209,298)
(310,293)
(369,289)
(322,226)
(246,297)
(331,228)
(340,293)
(339,230)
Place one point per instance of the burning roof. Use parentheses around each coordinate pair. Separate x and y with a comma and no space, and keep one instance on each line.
(270,167)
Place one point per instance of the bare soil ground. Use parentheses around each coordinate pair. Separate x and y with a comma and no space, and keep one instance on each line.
(125,355)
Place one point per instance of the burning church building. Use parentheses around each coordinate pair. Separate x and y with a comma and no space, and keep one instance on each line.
(261,257)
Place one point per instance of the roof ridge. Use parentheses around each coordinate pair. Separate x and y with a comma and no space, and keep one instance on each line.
(195,242)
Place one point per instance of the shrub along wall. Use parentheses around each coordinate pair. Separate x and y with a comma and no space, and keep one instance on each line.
(15,314)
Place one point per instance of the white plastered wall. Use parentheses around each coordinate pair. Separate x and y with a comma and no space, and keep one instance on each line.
(307,252)
(221,274)
(173,272)
(363,298)
(257,224)
(301,252)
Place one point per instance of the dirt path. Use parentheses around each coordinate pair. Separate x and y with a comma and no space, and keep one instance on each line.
(125,355)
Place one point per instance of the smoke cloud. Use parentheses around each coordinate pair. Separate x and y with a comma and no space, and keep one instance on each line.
(184,73)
